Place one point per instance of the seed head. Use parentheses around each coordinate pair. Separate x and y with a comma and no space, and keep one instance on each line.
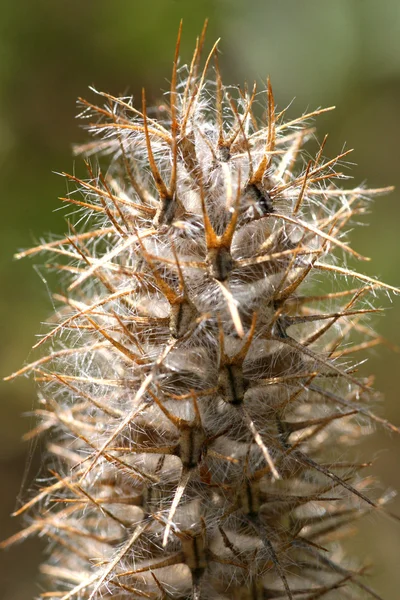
(198,388)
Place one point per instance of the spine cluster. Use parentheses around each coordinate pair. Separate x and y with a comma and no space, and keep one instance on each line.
(198,389)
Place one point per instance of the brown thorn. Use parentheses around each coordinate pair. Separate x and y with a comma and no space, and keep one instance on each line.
(195,95)
(128,107)
(271,137)
(174,122)
(195,61)
(281,294)
(84,204)
(312,338)
(218,102)
(314,230)
(116,249)
(82,312)
(51,245)
(212,240)
(168,292)
(116,204)
(321,149)
(141,191)
(241,355)
(107,409)
(305,350)
(177,421)
(241,129)
(304,117)
(349,273)
(123,349)
(242,120)
(160,185)
(303,189)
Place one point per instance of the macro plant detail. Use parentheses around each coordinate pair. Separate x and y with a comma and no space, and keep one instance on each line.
(199,394)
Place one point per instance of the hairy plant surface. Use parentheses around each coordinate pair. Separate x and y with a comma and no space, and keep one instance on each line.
(198,388)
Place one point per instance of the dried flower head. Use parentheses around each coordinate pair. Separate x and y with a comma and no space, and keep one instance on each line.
(198,387)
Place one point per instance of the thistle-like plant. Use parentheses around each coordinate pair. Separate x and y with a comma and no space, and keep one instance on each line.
(198,385)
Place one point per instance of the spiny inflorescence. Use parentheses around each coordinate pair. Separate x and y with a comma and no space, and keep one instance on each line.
(200,397)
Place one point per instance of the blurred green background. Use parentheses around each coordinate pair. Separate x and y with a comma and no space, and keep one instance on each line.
(345,52)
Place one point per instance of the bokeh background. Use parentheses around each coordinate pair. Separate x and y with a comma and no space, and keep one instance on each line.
(345,53)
